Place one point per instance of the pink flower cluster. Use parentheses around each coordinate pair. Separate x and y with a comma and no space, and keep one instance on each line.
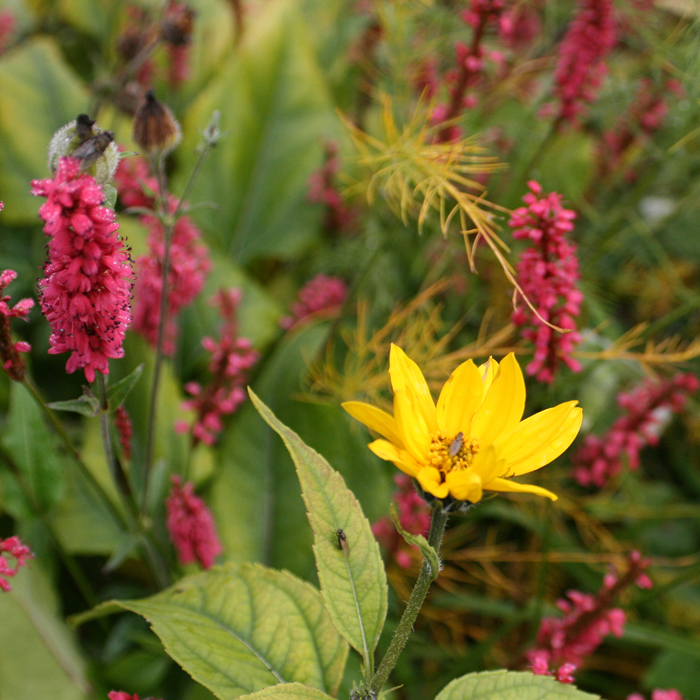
(323,189)
(189,258)
(581,63)
(519,25)
(540,667)
(322,297)
(125,429)
(414,516)
(232,358)
(547,272)
(587,621)
(21,554)
(646,115)
(469,70)
(191,525)
(12,363)
(121,695)
(647,409)
(86,290)
(671,694)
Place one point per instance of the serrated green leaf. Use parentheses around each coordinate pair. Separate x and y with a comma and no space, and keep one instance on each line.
(353,580)
(288,691)
(84,405)
(510,685)
(428,552)
(119,391)
(239,628)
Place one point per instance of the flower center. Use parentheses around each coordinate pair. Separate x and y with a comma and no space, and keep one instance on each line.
(449,453)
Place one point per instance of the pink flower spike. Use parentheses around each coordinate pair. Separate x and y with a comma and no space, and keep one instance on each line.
(191,526)
(86,289)
(581,63)
(11,361)
(232,358)
(646,410)
(21,553)
(322,297)
(547,273)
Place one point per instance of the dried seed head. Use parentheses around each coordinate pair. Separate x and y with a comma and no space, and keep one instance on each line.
(177,26)
(156,131)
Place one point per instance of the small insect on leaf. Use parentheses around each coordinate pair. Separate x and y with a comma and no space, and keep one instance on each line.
(342,540)
(456,444)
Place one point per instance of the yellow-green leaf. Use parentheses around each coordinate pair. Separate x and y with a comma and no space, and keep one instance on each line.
(289,691)
(510,685)
(353,580)
(238,629)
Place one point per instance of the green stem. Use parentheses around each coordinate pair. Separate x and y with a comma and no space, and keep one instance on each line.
(87,474)
(415,602)
(169,221)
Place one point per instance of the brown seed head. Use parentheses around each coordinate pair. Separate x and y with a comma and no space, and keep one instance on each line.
(155,128)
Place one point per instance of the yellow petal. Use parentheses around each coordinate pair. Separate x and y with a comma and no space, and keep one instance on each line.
(429,479)
(465,485)
(488,371)
(411,426)
(406,376)
(459,399)
(391,453)
(503,405)
(488,464)
(541,438)
(375,419)
(514,487)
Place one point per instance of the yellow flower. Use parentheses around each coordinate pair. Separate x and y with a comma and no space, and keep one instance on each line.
(474,440)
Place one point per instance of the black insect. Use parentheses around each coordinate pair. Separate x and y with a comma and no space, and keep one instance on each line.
(342,540)
(456,444)
(83,128)
(89,151)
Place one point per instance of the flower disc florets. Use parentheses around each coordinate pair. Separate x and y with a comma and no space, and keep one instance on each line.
(475,438)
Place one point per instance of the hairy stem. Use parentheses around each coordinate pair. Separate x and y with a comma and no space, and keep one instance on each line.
(415,602)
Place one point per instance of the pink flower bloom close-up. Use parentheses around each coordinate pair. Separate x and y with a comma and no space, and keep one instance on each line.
(86,289)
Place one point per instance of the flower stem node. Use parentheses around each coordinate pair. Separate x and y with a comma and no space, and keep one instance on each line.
(474,439)
(156,131)
(93,147)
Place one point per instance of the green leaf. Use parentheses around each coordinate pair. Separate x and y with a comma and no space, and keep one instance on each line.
(84,405)
(428,552)
(353,580)
(32,449)
(510,685)
(119,391)
(276,111)
(289,691)
(40,93)
(237,629)
(40,658)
